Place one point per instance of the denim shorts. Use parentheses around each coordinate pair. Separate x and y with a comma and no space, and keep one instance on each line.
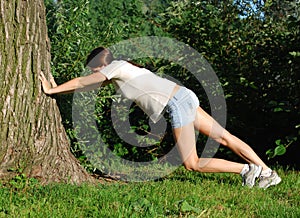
(182,107)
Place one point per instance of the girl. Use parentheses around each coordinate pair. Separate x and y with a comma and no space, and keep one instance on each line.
(153,94)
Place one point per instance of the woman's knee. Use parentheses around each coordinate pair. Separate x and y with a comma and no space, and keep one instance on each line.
(191,164)
(188,166)
(195,165)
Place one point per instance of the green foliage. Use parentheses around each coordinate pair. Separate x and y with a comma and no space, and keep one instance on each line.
(114,21)
(255,59)
(255,54)
(281,147)
(71,37)
(74,29)
(20,182)
(185,207)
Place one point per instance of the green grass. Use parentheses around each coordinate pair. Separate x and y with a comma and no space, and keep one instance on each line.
(182,194)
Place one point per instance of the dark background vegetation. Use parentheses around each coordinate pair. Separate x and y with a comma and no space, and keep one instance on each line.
(253,46)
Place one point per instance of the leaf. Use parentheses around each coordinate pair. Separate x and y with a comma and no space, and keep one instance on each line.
(278,109)
(141,205)
(280,150)
(278,142)
(295,54)
(253,86)
(270,153)
(186,207)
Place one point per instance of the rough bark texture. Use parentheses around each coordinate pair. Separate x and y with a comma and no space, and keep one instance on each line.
(32,137)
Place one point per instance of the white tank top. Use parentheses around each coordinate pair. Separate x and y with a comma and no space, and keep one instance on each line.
(148,90)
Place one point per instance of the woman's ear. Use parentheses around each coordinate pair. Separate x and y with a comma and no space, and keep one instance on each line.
(97,69)
(102,66)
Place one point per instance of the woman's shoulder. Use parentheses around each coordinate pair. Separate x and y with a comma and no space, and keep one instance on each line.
(124,66)
(115,64)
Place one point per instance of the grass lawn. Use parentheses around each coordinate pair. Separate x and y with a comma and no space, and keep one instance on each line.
(182,194)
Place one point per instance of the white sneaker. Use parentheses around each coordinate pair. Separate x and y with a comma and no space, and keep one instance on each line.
(250,176)
(267,181)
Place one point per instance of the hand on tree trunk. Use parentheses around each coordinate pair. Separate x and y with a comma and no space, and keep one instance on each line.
(46,84)
(52,81)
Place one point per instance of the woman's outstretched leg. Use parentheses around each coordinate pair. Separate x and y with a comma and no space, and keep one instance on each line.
(206,125)
(186,144)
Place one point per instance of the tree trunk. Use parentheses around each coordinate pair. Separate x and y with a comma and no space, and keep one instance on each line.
(32,138)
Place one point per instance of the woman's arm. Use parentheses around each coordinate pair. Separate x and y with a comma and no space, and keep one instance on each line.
(80,83)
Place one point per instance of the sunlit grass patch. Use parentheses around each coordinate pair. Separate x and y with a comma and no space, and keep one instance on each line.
(181,194)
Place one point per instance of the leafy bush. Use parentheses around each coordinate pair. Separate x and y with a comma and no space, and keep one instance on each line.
(253,58)
(74,29)
(254,53)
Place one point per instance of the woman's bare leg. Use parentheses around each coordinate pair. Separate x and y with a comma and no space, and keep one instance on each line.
(205,124)
(186,144)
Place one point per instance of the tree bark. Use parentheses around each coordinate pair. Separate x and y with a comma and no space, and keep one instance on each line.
(32,138)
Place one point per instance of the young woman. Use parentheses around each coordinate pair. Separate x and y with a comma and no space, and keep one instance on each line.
(153,94)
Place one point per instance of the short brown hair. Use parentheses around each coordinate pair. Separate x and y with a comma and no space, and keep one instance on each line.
(99,57)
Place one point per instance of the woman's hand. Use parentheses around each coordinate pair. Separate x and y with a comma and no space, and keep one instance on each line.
(46,84)
(52,81)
